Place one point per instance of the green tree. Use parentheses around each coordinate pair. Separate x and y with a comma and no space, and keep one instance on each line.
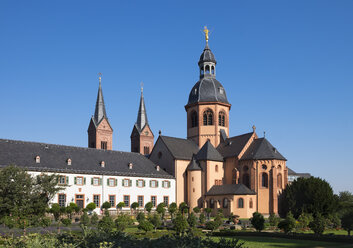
(212,225)
(258,221)
(161,209)
(120,206)
(345,202)
(94,218)
(183,208)
(106,224)
(66,222)
(273,219)
(122,222)
(347,222)
(208,212)
(196,210)
(91,206)
(310,195)
(288,224)
(145,225)
(134,206)
(84,220)
(149,207)
(202,219)
(304,220)
(192,221)
(318,225)
(56,211)
(140,217)
(156,221)
(172,209)
(180,224)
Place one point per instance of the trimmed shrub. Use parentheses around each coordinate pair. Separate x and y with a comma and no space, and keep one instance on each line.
(258,221)
(318,225)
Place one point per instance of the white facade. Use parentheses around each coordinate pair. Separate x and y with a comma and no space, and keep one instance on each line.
(83,188)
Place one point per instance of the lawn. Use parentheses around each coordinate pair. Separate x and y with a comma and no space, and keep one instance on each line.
(259,242)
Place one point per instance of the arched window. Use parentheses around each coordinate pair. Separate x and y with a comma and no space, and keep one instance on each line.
(216,168)
(279,180)
(264,167)
(264,178)
(225,203)
(241,203)
(279,167)
(222,119)
(202,71)
(194,119)
(234,176)
(246,180)
(211,203)
(208,118)
(212,70)
(207,68)
(250,203)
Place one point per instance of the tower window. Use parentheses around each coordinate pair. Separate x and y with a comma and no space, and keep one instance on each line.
(194,119)
(146,150)
(207,69)
(212,70)
(279,180)
(222,119)
(104,145)
(208,118)
(246,180)
(240,203)
(264,178)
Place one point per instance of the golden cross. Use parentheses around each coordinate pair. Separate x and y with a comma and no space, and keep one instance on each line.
(100,77)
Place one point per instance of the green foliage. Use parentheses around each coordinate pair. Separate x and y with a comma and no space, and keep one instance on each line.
(84,220)
(120,205)
(318,225)
(134,205)
(106,224)
(345,202)
(202,218)
(66,221)
(23,196)
(156,221)
(148,207)
(56,211)
(347,221)
(9,221)
(310,195)
(212,225)
(183,208)
(106,205)
(172,209)
(304,220)
(288,224)
(94,218)
(196,210)
(140,217)
(192,220)
(208,212)
(258,221)
(145,225)
(273,219)
(91,206)
(122,222)
(333,221)
(180,224)
(45,221)
(161,209)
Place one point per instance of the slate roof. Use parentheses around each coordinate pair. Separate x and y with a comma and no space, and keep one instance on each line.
(193,165)
(53,158)
(262,149)
(234,145)
(208,152)
(142,115)
(180,148)
(99,112)
(230,189)
(293,173)
(207,56)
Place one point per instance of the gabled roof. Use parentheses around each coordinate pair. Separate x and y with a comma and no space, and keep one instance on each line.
(262,149)
(230,189)
(234,145)
(208,152)
(193,165)
(53,158)
(293,173)
(180,148)
(141,115)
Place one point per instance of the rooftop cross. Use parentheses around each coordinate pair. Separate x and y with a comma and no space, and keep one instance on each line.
(100,77)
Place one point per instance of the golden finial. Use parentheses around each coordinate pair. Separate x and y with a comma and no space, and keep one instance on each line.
(141,87)
(206,31)
(253,128)
(100,77)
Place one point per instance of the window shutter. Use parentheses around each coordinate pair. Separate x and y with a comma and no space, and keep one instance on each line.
(100,181)
(130,183)
(144,183)
(108,181)
(67,180)
(150,183)
(122,182)
(84,180)
(75,180)
(137,182)
(92,181)
(157,184)
(115,182)
(168,184)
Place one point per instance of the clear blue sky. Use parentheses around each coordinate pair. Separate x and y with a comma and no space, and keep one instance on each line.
(287,67)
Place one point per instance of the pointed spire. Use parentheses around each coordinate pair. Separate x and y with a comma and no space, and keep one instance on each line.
(100,112)
(142,114)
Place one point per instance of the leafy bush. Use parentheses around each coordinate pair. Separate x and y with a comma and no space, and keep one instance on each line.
(84,220)
(140,217)
(180,224)
(161,209)
(192,221)
(45,221)
(172,209)
(288,224)
(94,218)
(106,224)
(122,222)
(9,222)
(156,221)
(106,205)
(318,225)
(91,206)
(149,207)
(273,220)
(120,205)
(347,222)
(258,221)
(304,220)
(202,218)
(212,225)
(145,225)
(196,210)
(66,221)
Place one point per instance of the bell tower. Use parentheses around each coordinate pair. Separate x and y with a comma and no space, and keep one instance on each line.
(142,137)
(100,133)
(207,108)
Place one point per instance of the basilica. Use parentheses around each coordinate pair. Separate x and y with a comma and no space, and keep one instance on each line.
(207,169)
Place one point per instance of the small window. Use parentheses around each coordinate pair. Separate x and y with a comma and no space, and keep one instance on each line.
(208,118)
(140,183)
(79,180)
(127,200)
(154,200)
(95,181)
(245,168)
(62,180)
(166,184)
(212,70)
(250,203)
(102,163)
(146,150)
(222,119)
(96,200)
(264,178)
(104,145)
(166,200)
(112,200)
(68,161)
(264,167)
(153,184)
(126,182)
(140,201)
(194,122)
(207,69)
(37,159)
(111,182)
(225,203)
(62,200)
(216,168)
(240,203)
(211,203)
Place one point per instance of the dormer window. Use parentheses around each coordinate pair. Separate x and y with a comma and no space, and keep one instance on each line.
(68,161)
(157,168)
(102,164)
(37,159)
(130,166)
(221,90)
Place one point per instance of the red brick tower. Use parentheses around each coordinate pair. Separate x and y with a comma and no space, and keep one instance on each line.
(100,133)
(142,137)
